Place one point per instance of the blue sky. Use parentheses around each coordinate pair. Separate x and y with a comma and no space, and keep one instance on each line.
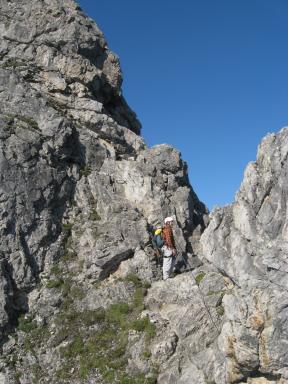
(209,77)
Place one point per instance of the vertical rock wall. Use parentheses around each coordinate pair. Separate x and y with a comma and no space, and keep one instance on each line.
(79,193)
(76,177)
(247,241)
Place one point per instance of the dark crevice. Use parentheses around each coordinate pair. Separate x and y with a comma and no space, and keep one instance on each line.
(91,54)
(16,301)
(118,109)
(257,374)
(112,265)
(30,260)
(263,199)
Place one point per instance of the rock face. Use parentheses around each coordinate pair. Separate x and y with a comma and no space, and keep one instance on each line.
(79,188)
(81,295)
(248,242)
(234,329)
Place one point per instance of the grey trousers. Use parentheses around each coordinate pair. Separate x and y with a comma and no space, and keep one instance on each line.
(168,266)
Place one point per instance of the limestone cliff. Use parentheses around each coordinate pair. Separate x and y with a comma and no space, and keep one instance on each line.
(79,188)
(234,329)
(81,295)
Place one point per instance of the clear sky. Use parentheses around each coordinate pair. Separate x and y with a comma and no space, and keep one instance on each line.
(209,77)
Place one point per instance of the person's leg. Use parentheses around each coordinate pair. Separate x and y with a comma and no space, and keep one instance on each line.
(166,267)
(173,262)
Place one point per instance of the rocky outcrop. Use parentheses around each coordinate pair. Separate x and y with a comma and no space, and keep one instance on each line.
(55,47)
(247,241)
(79,194)
(81,295)
(232,327)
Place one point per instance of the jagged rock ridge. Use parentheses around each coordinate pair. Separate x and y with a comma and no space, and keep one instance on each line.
(80,189)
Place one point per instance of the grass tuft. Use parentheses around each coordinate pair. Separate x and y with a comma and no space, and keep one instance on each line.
(220,310)
(94,216)
(67,227)
(98,339)
(26,323)
(86,171)
(200,277)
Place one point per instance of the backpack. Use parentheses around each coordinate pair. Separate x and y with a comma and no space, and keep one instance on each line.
(157,240)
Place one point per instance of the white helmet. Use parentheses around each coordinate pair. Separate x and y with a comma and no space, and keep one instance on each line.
(168,220)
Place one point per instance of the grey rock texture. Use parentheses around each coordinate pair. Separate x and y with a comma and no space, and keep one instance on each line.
(79,193)
(245,338)
(186,349)
(232,328)
(247,241)
(81,291)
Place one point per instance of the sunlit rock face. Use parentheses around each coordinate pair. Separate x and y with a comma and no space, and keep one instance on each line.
(81,291)
(247,241)
(226,321)
(79,194)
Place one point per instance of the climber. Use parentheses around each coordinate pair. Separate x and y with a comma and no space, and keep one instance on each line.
(157,240)
(168,249)
(157,244)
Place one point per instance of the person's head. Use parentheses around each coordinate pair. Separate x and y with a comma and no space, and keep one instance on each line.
(169,221)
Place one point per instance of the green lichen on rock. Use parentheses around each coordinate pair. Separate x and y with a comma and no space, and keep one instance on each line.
(29,121)
(88,342)
(25,323)
(199,277)
(144,325)
(22,121)
(220,310)
(94,216)
(86,171)
(35,334)
(13,63)
(54,283)
(67,227)
(98,339)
